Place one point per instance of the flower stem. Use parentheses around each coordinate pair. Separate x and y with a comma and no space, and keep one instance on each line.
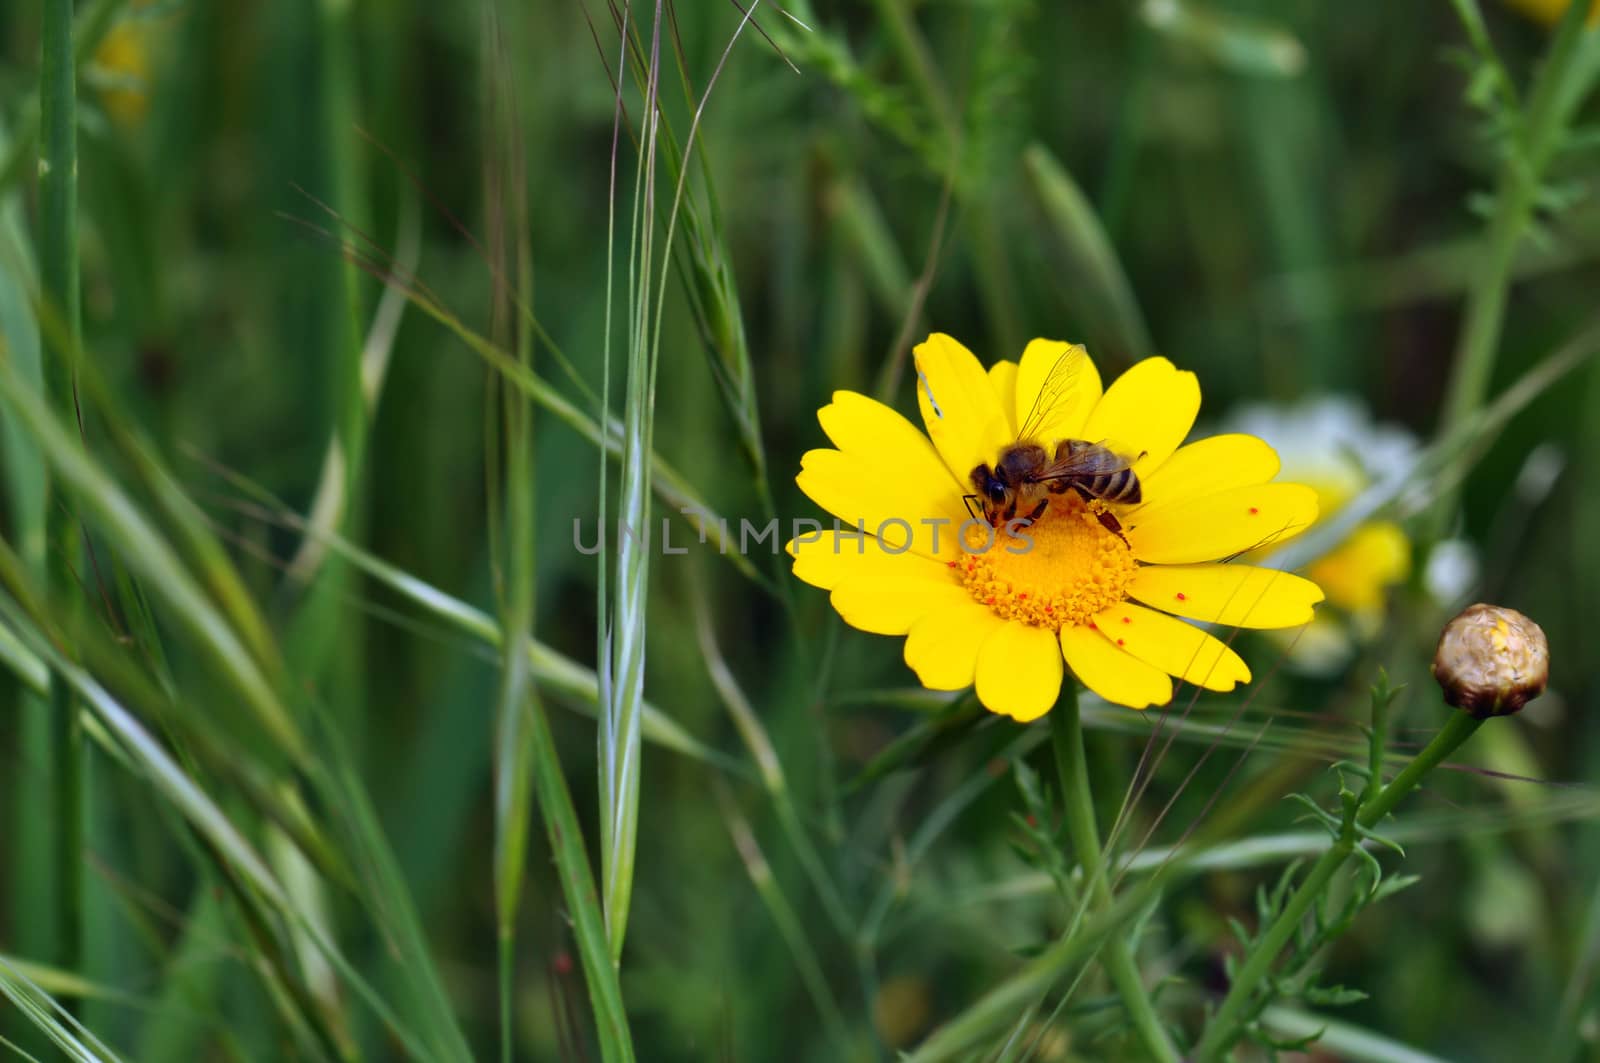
(58,269)
(1066,732)
(1228,1024)
(1569,71)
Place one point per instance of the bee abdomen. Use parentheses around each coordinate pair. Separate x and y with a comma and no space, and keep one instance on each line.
(1121,487)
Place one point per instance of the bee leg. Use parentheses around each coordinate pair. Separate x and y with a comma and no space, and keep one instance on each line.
(1109,521)
(970,500)
(1038,511)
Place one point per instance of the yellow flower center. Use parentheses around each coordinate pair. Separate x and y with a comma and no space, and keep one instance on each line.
(1062,570)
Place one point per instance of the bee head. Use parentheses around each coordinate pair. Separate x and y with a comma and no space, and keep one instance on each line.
(991,490)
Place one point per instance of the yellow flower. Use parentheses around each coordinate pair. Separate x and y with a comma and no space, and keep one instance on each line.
(1358,572)
(122,65)
(1101,587)
(1550,11)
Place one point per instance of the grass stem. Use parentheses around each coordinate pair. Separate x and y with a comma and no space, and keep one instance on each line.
(1066,732)
(1569,71)
(58,262)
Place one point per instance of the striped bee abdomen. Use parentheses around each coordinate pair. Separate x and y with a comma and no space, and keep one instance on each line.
(1121,487)
(1095,471)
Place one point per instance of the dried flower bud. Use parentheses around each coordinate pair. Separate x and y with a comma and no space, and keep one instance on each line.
(1491,661)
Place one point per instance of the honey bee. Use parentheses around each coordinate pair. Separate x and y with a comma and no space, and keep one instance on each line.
(1027,472)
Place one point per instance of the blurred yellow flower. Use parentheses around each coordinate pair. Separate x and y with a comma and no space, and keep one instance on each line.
(1356,574)
(1331,443)
(901,1009)
(1101,586)
(122,66)
(1550,11)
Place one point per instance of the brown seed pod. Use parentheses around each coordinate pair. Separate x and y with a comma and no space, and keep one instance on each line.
(1491,661)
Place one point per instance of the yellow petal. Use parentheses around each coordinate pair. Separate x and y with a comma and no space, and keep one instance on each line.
(959,406)
(885,610)
(1068,410)
(1220,525)
(1355,573)
(1003,378)
(828,561)
(901,511)
(942,647)
(1235,595)
(1174,647)
(1208,466)
(867,429)
(874,589)
(1146,411)
(1112,673)
(1019,671)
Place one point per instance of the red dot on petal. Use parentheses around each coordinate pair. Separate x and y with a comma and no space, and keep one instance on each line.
(1254,511)
(1119,642)
(1182,597)
(1127,620)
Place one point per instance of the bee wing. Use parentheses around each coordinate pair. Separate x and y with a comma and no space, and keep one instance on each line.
(1056,392)
(1086,460)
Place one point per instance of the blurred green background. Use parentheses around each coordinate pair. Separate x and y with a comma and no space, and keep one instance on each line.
(1287,198)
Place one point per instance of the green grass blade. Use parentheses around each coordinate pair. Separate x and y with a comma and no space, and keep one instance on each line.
(789,924)
(151,557)
(19,344)
(552,670)
(1236,43)
(74,1041)
(620,746)
(60,292)
(91,28)
(1100,294)
(23,663)
(191,988)
(861,220)
(322,643)
(578,888)
(773,780)
(513,762)
(1347,1040)
(332,497)
(211,822)
(669,486)
(392,910)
